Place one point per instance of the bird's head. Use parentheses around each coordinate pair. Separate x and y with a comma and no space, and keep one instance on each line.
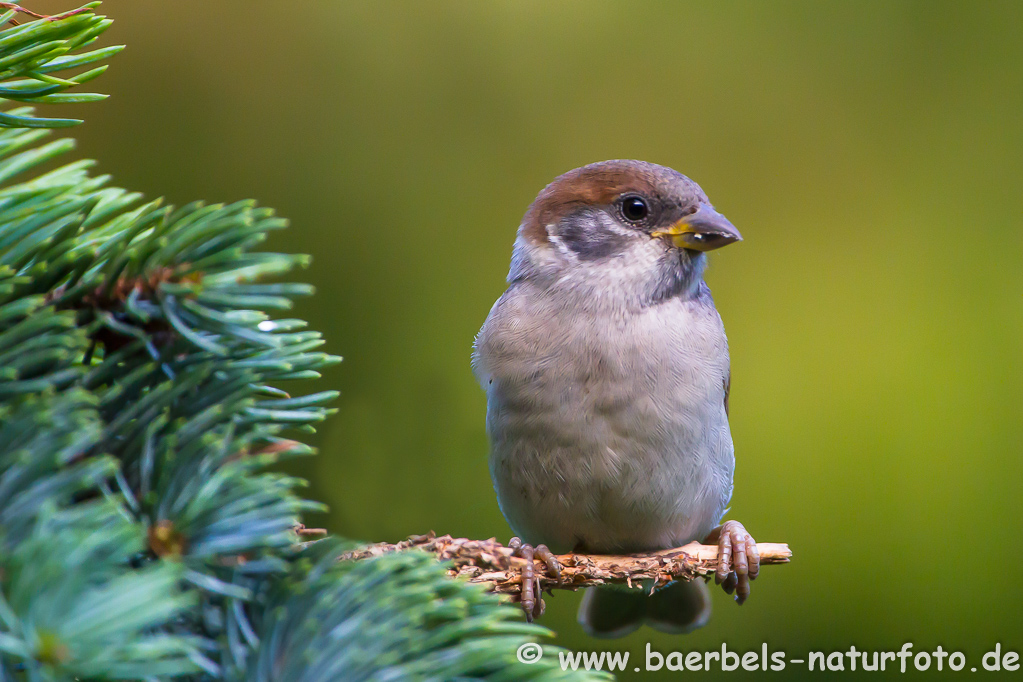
(633,225)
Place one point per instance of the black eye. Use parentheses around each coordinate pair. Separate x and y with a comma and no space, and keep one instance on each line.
(634,209)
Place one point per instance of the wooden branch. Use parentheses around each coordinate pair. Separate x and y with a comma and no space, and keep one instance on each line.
(491,564)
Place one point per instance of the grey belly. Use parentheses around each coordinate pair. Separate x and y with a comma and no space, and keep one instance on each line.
(616,464)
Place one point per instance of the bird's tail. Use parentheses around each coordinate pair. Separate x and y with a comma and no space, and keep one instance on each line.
(677,608)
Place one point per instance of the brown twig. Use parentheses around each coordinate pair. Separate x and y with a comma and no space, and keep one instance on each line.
(491,564)
(49,17)
(307,533)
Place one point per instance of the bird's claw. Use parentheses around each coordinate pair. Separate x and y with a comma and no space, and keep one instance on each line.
(738,558)
(530,592)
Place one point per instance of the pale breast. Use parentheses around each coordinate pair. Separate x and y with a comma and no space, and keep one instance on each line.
(606,432)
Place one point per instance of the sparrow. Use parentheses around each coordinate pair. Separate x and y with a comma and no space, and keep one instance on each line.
(606,370)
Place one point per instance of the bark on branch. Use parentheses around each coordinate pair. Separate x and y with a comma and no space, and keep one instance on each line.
(491,564)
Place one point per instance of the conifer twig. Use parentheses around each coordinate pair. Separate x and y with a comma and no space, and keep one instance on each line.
(492,564)
(55,17)
(52,17)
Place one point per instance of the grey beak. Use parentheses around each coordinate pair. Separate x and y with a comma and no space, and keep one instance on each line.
(704,230)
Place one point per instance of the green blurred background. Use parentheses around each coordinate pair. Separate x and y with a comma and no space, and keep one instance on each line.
(870,152)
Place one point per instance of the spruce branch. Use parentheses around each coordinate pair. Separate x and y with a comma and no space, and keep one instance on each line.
(31,53)
(136,366)
(393,617)
(493,565)
(71,607)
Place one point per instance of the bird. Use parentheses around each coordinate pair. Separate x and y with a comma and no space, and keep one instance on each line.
(607,375)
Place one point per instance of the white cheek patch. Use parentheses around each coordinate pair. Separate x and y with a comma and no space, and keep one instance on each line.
(556,240)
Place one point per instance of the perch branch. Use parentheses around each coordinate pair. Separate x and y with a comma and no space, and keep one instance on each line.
(491,564)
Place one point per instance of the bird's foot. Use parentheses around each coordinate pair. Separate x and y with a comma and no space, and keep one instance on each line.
(531,596)
(738,558)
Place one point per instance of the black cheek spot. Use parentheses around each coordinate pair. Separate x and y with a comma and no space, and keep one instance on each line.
(603,247)
(589,239)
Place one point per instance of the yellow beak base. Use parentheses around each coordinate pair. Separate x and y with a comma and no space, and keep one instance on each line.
(704,230)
